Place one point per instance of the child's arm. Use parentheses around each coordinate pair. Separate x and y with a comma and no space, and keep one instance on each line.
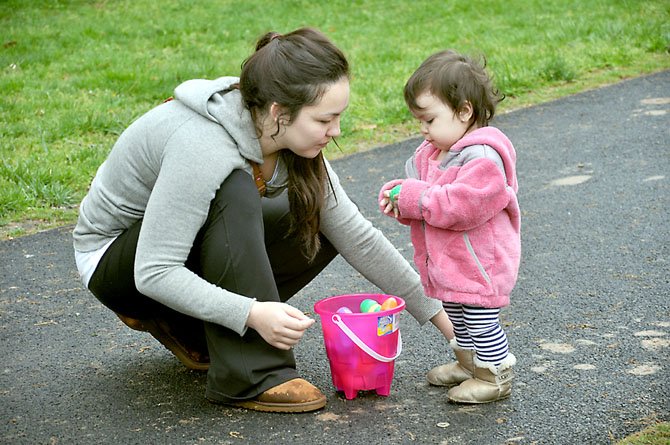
(478,192)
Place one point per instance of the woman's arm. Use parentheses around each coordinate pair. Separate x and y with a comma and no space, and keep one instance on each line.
(442,322)
(367,250)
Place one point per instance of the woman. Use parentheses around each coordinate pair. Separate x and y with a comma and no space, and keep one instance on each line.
(215,208)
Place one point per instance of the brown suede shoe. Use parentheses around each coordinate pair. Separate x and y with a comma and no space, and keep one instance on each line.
(294,396)
(160,330)
(132,323)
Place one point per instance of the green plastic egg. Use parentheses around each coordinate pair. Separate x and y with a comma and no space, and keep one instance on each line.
(368,305)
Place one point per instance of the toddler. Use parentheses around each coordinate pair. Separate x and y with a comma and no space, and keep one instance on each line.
(459,199)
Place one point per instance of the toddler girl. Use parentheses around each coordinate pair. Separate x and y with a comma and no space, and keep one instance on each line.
(460,202)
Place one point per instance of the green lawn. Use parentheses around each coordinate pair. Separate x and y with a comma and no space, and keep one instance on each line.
(656,434)
(76,73)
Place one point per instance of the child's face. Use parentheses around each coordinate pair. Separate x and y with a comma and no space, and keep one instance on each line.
(441,125)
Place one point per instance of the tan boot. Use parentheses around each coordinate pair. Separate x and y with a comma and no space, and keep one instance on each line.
(488,384)
(456,372)
(196,358)
(294,396)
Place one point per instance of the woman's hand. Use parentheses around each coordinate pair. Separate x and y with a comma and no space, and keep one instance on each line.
(442,322)
(280,324)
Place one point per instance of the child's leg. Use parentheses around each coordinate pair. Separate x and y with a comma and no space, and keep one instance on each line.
(492,373)
(486,334)
(462,369)
(455,311)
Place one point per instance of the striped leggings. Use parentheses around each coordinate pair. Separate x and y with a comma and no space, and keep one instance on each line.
(479,328)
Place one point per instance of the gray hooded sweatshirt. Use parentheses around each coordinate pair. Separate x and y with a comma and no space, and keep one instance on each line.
(165,169)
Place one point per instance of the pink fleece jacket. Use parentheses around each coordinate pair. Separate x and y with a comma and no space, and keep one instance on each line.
(464,218)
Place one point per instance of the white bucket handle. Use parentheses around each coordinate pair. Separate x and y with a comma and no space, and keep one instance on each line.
(353,337)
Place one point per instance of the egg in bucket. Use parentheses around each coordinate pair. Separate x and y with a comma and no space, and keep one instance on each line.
(361,346)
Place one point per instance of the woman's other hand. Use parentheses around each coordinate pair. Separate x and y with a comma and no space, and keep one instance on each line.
(280,324)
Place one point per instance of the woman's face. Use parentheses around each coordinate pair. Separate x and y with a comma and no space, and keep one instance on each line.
(316,125)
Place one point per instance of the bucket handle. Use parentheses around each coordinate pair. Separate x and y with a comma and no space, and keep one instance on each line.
(353,337)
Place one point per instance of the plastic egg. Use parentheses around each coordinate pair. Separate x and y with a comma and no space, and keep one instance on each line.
(374,308)
(344,310)
(368,305)
(389,303)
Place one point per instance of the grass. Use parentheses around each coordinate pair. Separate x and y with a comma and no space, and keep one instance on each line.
(658,434)
(75,73)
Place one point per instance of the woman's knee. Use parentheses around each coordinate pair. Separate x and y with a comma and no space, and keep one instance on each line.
(235,213)
(238,193)
(229,250)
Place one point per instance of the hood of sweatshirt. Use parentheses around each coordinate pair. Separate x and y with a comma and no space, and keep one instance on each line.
(210,99)
(495,138)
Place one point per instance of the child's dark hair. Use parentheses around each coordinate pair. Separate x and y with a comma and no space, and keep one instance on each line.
(295,70)
(455,79)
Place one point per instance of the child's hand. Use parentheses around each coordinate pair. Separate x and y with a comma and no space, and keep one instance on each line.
(388,197)
(388,204)
(394,192)
(390,200)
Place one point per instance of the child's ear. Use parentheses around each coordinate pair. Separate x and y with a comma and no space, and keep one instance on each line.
(465,113)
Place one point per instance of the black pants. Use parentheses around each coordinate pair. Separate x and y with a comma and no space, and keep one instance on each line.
(242,247)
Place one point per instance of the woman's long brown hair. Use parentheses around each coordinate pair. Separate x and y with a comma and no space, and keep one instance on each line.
(295,70)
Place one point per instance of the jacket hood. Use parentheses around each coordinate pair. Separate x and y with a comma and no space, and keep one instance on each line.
(210,99)
(495,138)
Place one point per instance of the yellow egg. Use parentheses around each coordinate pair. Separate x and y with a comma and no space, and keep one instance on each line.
(389,303)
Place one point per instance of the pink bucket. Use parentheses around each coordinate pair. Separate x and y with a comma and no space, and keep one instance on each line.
(361,347)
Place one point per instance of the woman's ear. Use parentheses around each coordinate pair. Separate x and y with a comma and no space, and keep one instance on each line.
(277,113)
(465,113)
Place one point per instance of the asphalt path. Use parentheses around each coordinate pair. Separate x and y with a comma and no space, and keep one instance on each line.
(589,320)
